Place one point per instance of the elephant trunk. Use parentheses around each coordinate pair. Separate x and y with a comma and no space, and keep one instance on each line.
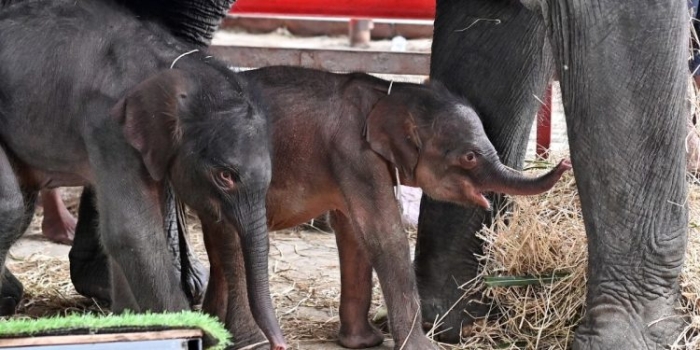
(255,245)
(503,179)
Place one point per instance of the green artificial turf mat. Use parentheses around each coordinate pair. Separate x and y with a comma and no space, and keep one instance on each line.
(215,335)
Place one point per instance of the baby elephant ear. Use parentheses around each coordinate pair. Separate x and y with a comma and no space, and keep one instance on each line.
(148,116)
(392,133)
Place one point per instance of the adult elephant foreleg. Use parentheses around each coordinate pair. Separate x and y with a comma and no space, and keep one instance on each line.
(624,77)
(495,54)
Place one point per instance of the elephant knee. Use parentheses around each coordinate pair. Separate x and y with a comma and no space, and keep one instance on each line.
(12,212)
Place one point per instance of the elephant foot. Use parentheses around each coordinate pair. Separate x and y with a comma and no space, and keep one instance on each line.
(259,343)
(416,342)
(90,277)
(366,336)
(59,230)
(466,311)
(262,345)
(10,293)
(8,305)
(651,326)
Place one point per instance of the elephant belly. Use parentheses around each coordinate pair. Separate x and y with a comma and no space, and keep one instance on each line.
(285,210)
(37,179)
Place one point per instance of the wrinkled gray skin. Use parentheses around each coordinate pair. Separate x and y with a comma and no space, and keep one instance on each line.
(88,262)
(623,75)
(113,115)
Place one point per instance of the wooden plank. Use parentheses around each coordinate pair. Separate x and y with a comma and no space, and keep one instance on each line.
(412,63)
(102,338)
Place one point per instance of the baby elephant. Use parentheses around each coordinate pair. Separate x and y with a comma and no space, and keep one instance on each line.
(341,142)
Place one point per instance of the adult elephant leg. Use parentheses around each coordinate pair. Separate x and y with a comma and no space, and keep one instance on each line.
(16,211)
(495,54)
(11,289)
(624,77)
(88,262)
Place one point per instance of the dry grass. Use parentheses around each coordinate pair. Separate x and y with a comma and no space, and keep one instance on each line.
(545,238)
(48,290)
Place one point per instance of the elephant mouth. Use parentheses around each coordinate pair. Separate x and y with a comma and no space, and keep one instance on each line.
(478,198)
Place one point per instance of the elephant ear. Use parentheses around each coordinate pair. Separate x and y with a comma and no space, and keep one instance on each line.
(148,116)
(391,132)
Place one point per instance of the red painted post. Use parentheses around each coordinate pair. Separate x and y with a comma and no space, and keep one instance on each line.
(544,125)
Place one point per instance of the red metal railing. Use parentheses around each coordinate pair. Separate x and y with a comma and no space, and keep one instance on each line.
(359,9)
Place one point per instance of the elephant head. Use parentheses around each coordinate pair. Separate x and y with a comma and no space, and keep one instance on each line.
(207,136)
(438,143)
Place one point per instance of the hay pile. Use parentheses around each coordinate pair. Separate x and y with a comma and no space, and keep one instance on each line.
(545,239)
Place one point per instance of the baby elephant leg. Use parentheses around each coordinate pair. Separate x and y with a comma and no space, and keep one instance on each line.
(356,332)
(376,221)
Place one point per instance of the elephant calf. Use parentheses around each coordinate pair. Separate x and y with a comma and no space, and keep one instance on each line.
(340,143)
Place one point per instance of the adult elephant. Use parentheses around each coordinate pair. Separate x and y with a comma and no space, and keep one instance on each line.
(623,75)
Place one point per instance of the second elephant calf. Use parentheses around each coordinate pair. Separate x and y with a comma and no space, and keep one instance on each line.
(341,142)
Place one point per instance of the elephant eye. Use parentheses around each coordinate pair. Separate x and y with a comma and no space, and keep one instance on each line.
(226,179)
(470,156)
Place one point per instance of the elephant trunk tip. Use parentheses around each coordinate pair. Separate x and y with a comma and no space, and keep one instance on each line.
(512,182)
(550,179)
(563,166)
(547,181)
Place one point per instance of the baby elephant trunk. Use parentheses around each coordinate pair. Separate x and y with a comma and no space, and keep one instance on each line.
(251,217)
(510,181)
